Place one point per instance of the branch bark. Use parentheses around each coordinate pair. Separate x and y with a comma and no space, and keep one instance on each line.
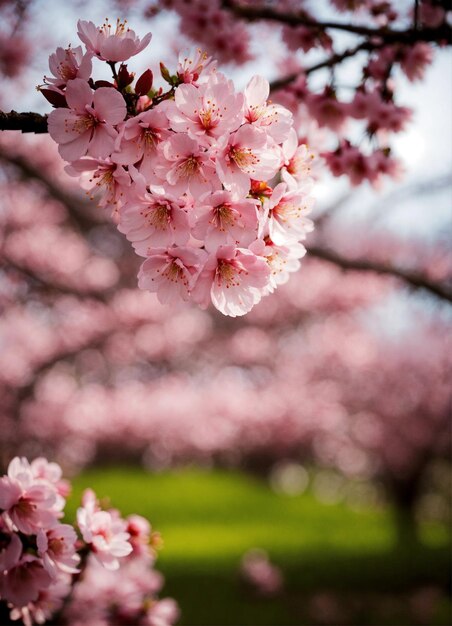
(53,285)
(387,35)
(411,278)
(25,122)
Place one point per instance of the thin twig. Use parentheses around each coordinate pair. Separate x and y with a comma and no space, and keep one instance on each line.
(335,59)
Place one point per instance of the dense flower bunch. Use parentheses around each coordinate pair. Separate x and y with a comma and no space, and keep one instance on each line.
(46,568)
(228,30)
(186,172)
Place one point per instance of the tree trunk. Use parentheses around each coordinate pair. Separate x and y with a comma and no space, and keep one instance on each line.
(404,495)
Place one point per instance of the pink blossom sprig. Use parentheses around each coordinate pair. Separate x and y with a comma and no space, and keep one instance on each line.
(46,567)
(261,574)
(209,185)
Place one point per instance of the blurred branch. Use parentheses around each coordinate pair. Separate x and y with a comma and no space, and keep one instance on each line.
(416,14)
(411,190)
(409,36)
(25,122)
(412,278)
(26,391)
(51,285)
(78,209)
(335,59)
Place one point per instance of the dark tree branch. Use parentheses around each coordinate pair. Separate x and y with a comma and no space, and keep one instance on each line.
(409,36)
(332,61)
(25,122)
(412,278)
(26,391)
(53,285)
(416,14)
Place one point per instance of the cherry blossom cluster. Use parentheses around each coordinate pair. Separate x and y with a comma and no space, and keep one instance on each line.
(46,567)
(210,186)
(327,104)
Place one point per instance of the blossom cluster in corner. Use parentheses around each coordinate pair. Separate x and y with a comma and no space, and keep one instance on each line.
(49,571)
(210,186)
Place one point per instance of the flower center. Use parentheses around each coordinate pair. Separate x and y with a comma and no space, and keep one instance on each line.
(121,28)
(158,216)
(255,112)
(175,272)
(25,506)
(243,157)
(56,545)
(189,167)
(223,217)
(287,210)
(84,123)
(67,69)
(227,273)
(151,138)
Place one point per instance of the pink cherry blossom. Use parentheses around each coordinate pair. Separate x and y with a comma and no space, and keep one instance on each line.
(287,210)
(186,167)
(56,546)
(139,530)
(102,178)
(119,45)
(156,220)
(233,279)
(282,260)
(87,127)
(415,59)
(37,567)
(171,273)
(222,218)
(139,139)
(431,14)
(162,613)
(51,474)
(23,582)
(27,503)
(195,66)
(327,110)
(298,161)
(275,119)
(186,171)
(48,602)
(10,550)
(207,111)
(257,569)
(248,154)
(106,535)
(68,64)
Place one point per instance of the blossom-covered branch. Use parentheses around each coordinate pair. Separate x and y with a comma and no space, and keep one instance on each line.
(302,18)
(84,219)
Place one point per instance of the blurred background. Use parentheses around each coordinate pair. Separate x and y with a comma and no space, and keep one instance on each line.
(296,461)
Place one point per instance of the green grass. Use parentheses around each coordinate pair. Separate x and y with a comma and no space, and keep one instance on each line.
(209,519)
